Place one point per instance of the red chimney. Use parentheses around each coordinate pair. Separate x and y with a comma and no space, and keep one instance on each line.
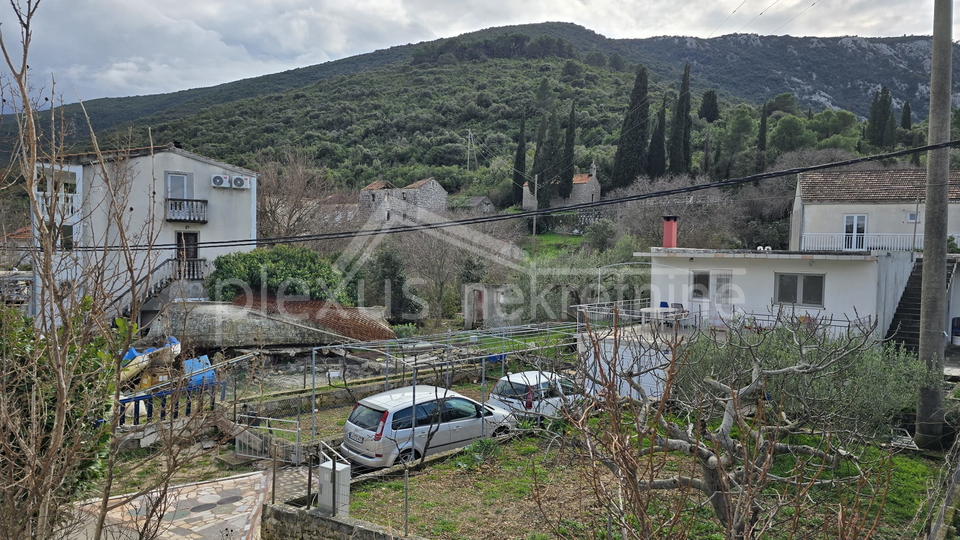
(670,231)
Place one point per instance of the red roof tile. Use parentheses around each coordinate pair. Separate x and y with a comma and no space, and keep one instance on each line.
(419,183)
(882,186)
(23,233)
(351,322)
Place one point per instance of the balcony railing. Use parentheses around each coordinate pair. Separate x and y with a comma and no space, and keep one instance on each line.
(861,242)
(62,204)
(187,210)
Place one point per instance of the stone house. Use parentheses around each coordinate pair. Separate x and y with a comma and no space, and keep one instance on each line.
(474,205)
(586,189)
(383,201)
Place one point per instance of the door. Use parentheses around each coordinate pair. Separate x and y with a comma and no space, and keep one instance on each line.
(188,264)
(461,422)
(721,302)
(854,231)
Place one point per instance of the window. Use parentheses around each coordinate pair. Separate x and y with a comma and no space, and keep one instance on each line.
(701,284)
(799,289)
(66,237)
(426,416)
(179,185)
(913,217)
(403,194)
(458,409)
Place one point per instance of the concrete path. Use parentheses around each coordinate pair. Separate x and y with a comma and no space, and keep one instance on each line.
(223,509)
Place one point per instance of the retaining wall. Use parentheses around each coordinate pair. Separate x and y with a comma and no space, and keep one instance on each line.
(284,523)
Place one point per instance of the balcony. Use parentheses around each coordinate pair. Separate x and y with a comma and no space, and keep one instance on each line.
(187,210)
(62,204)
(862,242)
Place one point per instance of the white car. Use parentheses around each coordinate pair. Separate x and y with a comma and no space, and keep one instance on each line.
(534,395)
(382,431)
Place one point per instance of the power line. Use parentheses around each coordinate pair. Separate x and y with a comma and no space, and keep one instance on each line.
(528,213)
(727,19)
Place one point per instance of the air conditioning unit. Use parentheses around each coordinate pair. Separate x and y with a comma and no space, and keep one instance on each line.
(241,182)
(220,181)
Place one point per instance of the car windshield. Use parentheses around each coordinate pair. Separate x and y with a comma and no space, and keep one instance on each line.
(365,417)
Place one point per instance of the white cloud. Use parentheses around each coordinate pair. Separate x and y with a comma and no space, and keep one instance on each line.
(126,47)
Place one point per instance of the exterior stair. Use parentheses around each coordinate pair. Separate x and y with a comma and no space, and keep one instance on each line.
(905,326)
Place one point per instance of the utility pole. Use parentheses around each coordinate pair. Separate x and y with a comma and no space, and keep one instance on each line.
(933,294)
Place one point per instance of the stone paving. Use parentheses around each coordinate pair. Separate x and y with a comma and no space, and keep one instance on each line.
(223,509)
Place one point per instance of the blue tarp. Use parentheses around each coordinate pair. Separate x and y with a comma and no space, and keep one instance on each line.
(193,365)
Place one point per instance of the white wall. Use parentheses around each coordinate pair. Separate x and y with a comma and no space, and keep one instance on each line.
(848,283)
(894,268)
(881,218)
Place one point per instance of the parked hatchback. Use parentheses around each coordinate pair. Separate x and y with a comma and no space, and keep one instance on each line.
(534,395)
(383,430)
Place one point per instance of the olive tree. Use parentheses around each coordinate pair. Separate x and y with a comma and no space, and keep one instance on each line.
(761,423)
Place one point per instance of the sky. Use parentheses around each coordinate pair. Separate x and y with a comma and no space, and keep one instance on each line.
(111,48)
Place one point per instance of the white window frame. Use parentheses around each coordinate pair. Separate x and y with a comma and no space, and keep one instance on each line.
(695,294)
(186,184)
(800,279)
(913,217)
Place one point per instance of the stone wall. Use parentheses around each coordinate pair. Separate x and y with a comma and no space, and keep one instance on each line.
(285,523)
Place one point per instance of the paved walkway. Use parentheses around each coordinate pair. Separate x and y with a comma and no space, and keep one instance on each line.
(223,509)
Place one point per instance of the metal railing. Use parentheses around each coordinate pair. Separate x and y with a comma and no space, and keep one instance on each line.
(862,242)
(602,314)
(187,210)
(270,437)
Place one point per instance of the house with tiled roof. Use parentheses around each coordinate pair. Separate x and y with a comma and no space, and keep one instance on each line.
(586,189)
(383,201)
(14,248)
(865,210)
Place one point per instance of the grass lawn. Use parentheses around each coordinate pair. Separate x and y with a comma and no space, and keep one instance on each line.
(552,244)
(530,489)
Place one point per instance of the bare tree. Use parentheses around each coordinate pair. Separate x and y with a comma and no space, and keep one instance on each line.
(60,370)
(709,218)
(761,424)
(291,193)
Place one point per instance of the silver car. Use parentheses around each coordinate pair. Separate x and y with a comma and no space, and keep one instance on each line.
(382,429)
(534,395)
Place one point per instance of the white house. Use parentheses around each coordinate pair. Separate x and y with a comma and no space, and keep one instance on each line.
(172,201)
(878,287)
(865,210)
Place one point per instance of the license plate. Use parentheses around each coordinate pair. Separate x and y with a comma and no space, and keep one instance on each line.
(355,438)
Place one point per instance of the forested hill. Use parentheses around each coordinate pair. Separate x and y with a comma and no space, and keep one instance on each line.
(841,72)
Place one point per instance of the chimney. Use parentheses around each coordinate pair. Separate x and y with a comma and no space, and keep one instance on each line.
(670,231)
(593,169)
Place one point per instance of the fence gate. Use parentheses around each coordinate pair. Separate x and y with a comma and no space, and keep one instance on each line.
(261,436)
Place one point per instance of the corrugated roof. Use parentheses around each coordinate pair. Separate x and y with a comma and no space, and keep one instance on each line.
(882,186)
(379,184)
(355,323)
(86,158)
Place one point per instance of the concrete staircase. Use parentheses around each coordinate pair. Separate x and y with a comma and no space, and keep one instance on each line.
(905,326)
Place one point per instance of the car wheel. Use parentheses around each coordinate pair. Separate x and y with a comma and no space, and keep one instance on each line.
(408,457)
(501,431)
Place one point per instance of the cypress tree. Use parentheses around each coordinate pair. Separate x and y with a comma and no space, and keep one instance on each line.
(890,132)
(905,121)
(881,108)
(657,165)
(520,163)
(630,161)
(546,160)
(565,183)
(709,108)
(679,147)
(915,157)
(762,141)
